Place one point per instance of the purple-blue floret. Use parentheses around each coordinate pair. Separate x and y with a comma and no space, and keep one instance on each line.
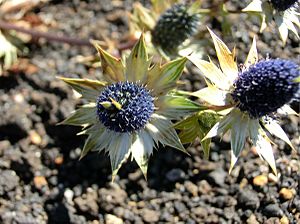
(137,107)
(282,5)
(266,86)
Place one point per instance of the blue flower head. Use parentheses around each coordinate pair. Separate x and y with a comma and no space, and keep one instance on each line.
(136,106)
(266,86)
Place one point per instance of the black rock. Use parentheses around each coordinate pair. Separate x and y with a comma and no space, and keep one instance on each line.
(58,214)
(175,175)
(272,210)
(179,206)
(8,181)
(248,199)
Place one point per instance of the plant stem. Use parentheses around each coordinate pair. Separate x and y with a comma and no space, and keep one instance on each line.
(62,39)
(48,36)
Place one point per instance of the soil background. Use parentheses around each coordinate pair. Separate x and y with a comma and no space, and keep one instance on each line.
(43,181)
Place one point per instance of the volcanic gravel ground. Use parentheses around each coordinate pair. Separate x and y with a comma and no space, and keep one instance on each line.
(42,180)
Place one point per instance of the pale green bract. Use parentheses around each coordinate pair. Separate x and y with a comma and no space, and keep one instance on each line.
(159,80)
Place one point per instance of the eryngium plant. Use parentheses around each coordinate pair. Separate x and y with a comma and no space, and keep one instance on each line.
(130,112)
(251,97)
(285,13)
(173,27)
(169,26)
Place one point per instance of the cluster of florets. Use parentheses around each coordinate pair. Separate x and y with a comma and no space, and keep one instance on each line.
(282,5)
(174,27)
(266,86)
(136,105)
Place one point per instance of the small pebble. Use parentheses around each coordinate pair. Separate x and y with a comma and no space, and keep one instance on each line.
(35,138)
(191,188)
(252,220)
(59,160)
(248,198)
(272,210)
(260,180)
(284,220)
(287,193)
(40,182)
(150,215)
(175,175)
(218,177)
(112,219)
(69,194)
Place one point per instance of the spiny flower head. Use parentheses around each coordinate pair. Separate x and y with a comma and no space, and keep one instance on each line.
(173,27)
(246,98)
(266,86)
(125,106)
(130,112)
(282,5)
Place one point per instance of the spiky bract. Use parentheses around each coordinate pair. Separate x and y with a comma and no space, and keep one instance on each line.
(266,86)
(173,27)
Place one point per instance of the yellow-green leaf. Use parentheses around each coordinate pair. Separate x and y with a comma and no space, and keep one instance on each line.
(162,79)
(177,106)
(137,63)
(226,60)
(223,125)
(113,68)
(89,89)
(142,19)
(189,129)
(212,72)
(198,125)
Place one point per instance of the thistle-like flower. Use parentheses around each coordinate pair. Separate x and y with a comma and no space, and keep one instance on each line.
(131,111)
(171,25)
(283,12)
(250,98)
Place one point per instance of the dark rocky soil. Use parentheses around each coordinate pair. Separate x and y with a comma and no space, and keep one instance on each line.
(42,181)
